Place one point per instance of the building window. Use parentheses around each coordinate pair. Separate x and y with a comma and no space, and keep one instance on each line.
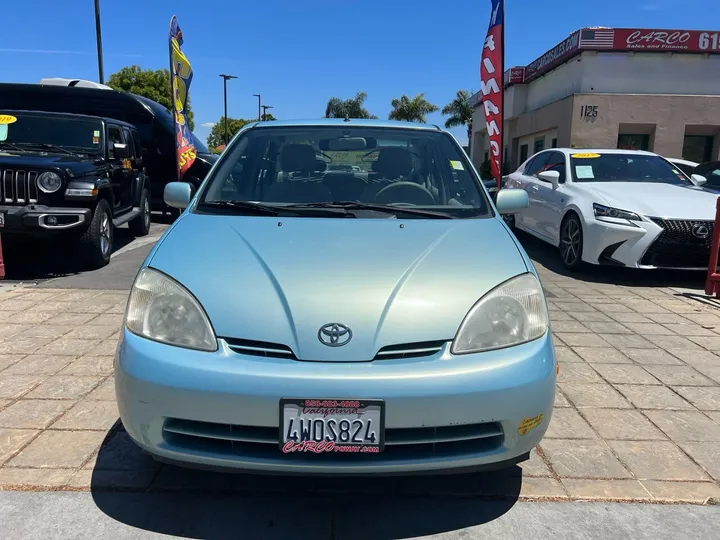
(698,148)
(539,144)
(523,153)
(633,142)
(554,143)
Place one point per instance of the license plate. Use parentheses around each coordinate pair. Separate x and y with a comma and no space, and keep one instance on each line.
(2,219)
(332,425)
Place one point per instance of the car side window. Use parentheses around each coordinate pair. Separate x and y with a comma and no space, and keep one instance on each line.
(131,146)
(557,163)
(114,136)
(136,143)
(537,164)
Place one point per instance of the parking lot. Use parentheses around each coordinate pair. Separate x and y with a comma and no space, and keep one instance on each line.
(637,412)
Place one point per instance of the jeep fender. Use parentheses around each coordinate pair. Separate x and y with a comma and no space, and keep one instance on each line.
(141,181)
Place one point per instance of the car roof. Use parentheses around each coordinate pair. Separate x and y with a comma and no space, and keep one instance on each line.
(56,98)
(72,115)
(683,161)
(601,151)
(370,123)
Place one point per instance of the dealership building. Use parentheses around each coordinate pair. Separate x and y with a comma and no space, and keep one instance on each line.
(656,90)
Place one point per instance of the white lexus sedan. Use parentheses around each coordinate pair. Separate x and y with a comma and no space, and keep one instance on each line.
(616,207)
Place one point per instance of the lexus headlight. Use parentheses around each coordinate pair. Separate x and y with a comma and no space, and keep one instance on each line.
(513,313)
(49,182)
(163,310)
(606,211)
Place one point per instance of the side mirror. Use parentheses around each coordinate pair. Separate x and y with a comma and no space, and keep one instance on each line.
(550,176)
(698,179)
(120,151)
(177,194)
(511,200)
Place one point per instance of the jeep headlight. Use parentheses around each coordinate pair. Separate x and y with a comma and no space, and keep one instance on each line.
(514,312)
(49,182)
(161,309)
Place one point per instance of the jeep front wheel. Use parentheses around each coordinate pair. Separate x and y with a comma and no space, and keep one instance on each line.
(97,241)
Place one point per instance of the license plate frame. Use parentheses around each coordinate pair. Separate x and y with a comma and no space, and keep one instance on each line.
(374,406)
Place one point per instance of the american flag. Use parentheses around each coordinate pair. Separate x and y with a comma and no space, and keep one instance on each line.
(597,39)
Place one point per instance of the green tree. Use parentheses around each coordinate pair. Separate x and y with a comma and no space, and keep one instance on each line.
(460,111)
(267,117)
(150,83)
(352,108)
(411,109)
(217,133)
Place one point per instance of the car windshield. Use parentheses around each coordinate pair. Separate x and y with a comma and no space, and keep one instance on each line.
(415,169)
(591,167)
(70,133)
(711,172)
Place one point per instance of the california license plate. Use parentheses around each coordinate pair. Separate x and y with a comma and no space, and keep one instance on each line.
(332,425)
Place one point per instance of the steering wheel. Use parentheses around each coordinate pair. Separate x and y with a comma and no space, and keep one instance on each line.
(419,194)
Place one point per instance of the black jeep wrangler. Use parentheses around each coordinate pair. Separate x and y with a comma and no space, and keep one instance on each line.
(71,177)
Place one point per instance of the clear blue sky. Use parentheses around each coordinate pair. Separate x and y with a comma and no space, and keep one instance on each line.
(297,54)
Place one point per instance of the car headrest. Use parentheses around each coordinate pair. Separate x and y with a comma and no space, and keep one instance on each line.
(320,165)
(298,157)
(393,162)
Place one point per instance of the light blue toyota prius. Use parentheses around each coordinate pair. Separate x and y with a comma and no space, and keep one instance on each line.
(338,297)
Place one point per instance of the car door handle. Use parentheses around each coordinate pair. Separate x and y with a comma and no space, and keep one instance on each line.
(535,188)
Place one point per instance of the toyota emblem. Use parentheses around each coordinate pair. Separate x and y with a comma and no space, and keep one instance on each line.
(334,334)
(700,231)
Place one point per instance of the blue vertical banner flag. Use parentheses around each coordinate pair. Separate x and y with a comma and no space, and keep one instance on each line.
(491,80)
(180,78)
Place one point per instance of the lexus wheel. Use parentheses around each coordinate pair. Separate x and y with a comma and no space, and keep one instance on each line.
(571,242)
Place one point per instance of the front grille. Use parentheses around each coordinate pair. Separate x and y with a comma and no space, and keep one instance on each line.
(260,348)
(278,350)
(677,246)
(18,187)
(400,444)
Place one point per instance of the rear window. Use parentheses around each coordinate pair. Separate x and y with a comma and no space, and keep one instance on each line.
(324,164)
(592,167)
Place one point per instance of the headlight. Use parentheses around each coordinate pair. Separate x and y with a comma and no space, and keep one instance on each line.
(49,182)
(606,211)
(512,313)
(163,310)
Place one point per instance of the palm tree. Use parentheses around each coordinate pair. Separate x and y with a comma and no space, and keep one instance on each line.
(350,108)
(460,110)
(411,109)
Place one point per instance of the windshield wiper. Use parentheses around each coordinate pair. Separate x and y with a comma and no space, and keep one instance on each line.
(263,209)
(4,144)
(245,206)
(46,146)
(389,209)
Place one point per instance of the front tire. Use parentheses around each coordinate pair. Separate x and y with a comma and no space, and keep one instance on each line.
(571,242)
(140,226)
(96,243)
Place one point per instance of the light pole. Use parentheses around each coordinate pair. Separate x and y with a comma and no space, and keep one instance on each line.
(265,108)
(225,80)
(98,34)
(259,102)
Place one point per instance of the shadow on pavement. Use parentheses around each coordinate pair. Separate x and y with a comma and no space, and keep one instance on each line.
(46,259)
(131,488)
(548,256)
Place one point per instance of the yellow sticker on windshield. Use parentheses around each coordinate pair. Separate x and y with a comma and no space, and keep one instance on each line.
(457,165)
(585,156)
(7,119)
(529,423)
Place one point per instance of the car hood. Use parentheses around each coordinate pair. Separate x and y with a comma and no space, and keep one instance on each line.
(653,199)
(391,282)
(78,164)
